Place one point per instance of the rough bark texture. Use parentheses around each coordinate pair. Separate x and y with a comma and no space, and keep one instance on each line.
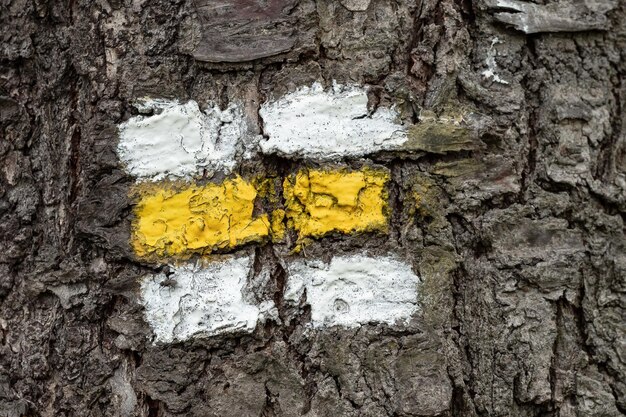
(520,237)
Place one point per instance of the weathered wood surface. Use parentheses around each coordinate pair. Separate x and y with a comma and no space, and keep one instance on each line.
(244,30)
(555,16)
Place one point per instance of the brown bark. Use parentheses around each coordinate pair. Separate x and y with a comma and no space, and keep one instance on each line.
(522,252)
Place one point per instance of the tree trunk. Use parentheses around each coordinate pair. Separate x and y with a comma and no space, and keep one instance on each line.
(501,190)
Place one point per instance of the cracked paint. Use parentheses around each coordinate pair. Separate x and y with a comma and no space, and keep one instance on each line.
(277,226)
(353,290)
(180,140)
(196,219)
(202,299)
(322,201)
(328,125)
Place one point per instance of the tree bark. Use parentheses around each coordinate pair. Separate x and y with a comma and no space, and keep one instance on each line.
(517,232)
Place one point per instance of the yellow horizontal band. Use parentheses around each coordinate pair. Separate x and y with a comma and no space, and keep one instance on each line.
(197,219)
(174,220)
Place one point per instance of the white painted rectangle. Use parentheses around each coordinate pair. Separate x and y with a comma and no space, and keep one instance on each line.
(201,300)
(328,125)
(354,290)
(180,140)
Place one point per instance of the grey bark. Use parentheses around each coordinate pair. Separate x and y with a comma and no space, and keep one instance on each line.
(522,253)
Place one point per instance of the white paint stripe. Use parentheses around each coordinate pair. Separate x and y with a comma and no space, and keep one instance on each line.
(327,125)
(202,300)
(179,140)
(354,290)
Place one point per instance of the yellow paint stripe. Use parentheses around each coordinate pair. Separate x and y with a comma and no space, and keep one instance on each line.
(174,220)
(322,201)
(171,222)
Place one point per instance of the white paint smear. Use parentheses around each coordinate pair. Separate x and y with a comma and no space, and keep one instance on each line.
(202,299)
(327,125)
(354,290)
(492,66)
(179,140)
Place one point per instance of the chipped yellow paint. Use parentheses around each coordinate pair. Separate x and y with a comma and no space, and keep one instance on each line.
(197,219)
(268,189)
(277,228)
(319,202)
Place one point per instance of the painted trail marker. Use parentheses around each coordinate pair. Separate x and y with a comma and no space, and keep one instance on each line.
(196,219)
(313,123)
(354,290)
(180,140)
(322,201)
(176,218)
(208,298)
